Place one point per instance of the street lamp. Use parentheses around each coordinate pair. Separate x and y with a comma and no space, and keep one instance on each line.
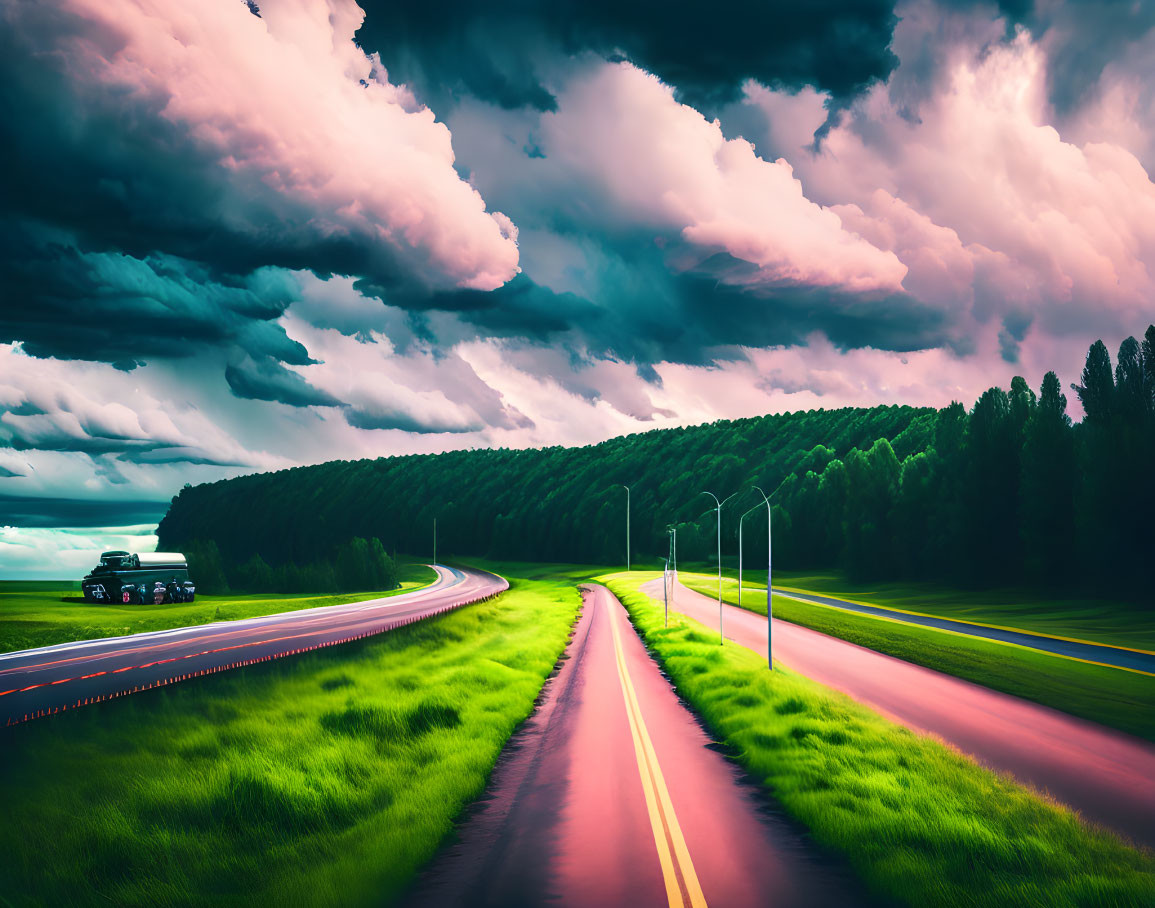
(769,587)
(718,508)
(627,488)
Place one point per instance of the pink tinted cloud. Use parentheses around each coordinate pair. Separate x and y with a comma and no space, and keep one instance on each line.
(649,160)
(991,208)
(288,102)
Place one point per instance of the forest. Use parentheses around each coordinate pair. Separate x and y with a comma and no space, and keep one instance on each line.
(1011,491)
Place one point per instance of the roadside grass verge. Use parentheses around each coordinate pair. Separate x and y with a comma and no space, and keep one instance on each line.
(918,822)
(323,779)
(40,613)
(1110,696)
(1114,622)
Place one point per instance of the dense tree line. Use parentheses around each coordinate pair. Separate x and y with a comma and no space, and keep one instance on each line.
(1011,491)
(547,504)
(356,565)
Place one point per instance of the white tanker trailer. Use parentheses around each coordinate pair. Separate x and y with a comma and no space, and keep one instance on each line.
(148,577)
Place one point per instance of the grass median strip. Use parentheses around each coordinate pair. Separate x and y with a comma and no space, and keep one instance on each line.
(1110,696)
(318,780)
(918,822)
(41,613)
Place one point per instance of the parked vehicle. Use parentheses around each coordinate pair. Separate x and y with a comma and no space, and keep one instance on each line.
(151,577)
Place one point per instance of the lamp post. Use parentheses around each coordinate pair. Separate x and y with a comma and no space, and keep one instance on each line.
(627,488)
(666,589)
(769,587)
(718,509)
(740,522)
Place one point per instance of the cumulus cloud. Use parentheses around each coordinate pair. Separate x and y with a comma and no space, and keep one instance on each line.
(66,553)
(111,307)
(996,215)
(502,52)
(662,165)
(421,390)
(50,405)
(204,131)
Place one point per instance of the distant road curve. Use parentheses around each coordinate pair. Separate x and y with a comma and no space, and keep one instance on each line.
(43,681)
(1098,653)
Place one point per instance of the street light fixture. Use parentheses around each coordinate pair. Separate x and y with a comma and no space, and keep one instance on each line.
(718,508)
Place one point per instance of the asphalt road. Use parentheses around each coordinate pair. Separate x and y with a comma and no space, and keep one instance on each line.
(611,795)
(1101,653)
(1104,774)
(43,681)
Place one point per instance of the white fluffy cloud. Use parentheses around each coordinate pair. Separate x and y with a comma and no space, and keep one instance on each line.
(293,111)
(56,405)
(62,553)
(996,214)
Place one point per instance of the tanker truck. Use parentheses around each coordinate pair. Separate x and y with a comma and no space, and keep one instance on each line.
(151,577)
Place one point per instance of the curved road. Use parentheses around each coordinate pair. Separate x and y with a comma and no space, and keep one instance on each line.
(1104,774)
(1099,653)
(611,795)
(42,681)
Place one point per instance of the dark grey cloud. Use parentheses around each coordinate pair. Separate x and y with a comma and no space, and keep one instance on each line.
(263,378)
(110,171)
(1083,38)
(491,50)
(112,307)
(32,511)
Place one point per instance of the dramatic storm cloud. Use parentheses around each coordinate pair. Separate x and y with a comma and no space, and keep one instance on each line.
(240,236)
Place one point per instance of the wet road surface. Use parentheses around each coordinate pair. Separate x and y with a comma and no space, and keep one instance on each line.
(611,795)
(48,679)
(1104,774)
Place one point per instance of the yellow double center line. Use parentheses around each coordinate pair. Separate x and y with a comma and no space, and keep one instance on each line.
(682,887)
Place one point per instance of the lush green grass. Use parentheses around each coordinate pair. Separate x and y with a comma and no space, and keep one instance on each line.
(1094,620)
(920,823)
(39,613)
(325,779)
(1110,696)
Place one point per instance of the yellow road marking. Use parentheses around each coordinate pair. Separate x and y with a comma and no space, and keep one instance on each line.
(682,887)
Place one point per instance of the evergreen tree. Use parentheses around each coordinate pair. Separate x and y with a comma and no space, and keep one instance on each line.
(1097,391)
(1048,485)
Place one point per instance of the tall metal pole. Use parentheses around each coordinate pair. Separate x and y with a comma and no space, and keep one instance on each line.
(627,488)
(769,585)
(741,522)
(718,510)
(666,578)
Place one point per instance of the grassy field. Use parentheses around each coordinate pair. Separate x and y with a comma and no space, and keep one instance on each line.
(39,613)
(1094,620)
(1110,696)
(921,824)
(322,779)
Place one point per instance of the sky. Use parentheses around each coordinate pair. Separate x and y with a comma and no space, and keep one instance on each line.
(242,236)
